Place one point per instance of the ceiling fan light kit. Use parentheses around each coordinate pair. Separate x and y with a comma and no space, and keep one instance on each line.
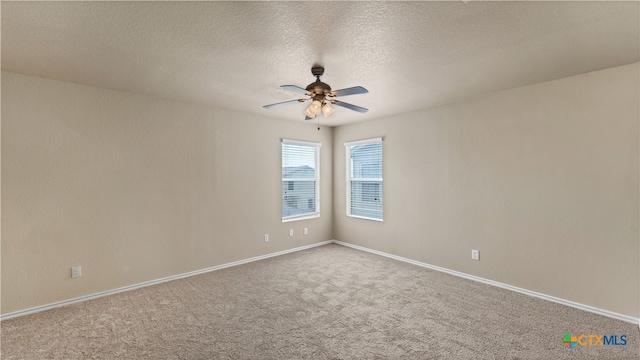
(313,109)
(327,109)
(321,95)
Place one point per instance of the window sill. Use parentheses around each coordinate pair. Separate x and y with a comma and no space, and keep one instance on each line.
(364,218)
(304,217)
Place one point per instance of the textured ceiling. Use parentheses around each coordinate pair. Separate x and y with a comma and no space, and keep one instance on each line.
(409,55)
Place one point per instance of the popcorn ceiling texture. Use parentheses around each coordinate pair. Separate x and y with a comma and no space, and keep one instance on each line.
(410,55)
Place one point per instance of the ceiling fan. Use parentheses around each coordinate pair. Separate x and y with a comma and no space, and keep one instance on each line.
(321,96)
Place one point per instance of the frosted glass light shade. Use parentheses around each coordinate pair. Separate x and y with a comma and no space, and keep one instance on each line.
(309,113)
(315,107)
(327,110)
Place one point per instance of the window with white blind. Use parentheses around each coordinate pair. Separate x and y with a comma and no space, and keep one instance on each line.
(364,179)
(300,180)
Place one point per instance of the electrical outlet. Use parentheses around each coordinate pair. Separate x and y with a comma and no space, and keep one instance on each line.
(306,231)
(291,232)
(475,254)
(266,237)
(76,271)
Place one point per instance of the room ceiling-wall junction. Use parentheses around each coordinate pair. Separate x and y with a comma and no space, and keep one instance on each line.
(235,55)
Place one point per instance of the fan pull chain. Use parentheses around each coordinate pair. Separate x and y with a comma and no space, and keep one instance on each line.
(318,117)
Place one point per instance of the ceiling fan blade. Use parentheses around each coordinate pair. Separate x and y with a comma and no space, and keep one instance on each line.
(296,89)
(349,91)
(349,106)
(307,118)
(271,106)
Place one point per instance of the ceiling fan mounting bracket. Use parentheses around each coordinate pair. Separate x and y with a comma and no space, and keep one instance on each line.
(317,71)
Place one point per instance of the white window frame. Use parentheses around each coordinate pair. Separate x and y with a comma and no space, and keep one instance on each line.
(348,146)
(317,180)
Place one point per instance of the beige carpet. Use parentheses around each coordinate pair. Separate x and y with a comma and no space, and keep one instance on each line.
(329,302)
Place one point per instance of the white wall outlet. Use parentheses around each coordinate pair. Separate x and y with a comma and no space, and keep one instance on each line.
(291,232)
(76,271)
(266,237)
(475,254)
(306,231)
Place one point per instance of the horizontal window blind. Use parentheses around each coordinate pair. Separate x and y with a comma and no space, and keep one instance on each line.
(300,179)
(364,179)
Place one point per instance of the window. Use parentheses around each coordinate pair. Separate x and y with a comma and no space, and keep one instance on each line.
(370,191)
(364,179)
(300,180)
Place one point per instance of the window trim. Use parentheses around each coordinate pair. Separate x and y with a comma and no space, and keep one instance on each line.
(347,146)
(304,216)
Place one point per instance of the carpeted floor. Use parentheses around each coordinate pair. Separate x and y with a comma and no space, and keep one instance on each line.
(330,302)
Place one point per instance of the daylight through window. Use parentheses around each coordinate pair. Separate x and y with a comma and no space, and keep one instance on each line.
(300,179)
(364,179)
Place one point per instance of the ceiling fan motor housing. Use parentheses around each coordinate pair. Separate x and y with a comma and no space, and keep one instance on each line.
(318,87)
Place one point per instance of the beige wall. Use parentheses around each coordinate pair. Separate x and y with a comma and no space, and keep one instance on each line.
(135,189)
(542,179)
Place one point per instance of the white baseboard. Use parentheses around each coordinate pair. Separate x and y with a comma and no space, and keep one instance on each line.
(576,305)
(154,282)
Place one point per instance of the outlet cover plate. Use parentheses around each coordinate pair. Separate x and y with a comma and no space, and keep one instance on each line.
(76,271)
